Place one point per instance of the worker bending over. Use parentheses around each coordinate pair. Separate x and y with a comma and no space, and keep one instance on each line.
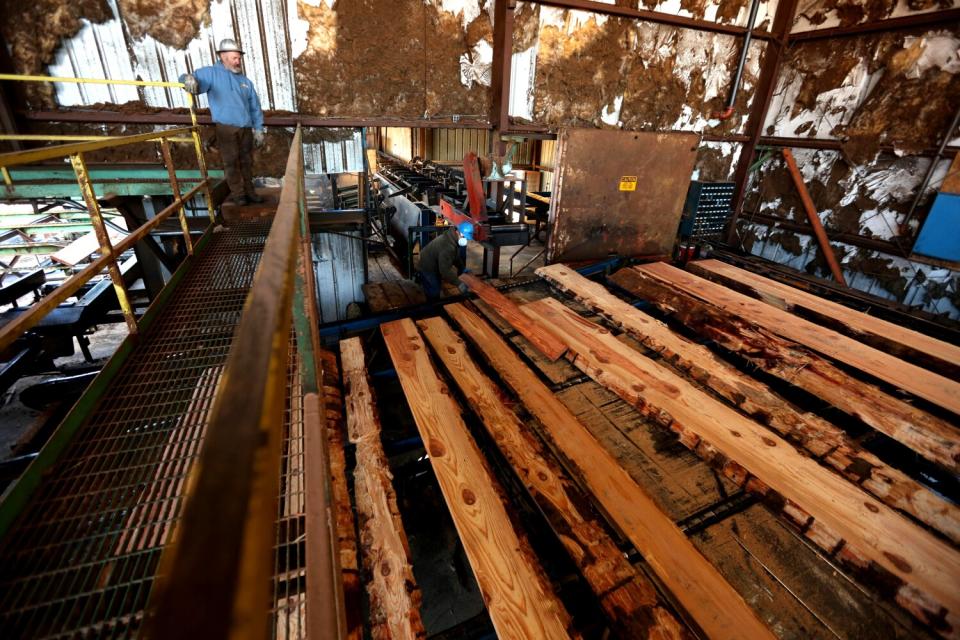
(235,109)
(441,260)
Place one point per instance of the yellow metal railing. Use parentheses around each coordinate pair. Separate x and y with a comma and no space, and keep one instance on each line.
(74,149)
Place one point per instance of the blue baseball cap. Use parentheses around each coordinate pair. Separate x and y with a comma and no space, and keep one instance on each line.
(466,230)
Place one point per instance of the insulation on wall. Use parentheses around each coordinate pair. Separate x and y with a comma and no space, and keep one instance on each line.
(824,14)
(888,98)
(585,69)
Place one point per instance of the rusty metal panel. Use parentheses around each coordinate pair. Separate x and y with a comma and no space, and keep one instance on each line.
(618,192)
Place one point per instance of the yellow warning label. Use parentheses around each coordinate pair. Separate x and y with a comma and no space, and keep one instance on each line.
(628,183)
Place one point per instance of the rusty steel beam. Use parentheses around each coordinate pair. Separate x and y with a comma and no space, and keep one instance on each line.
(769,71)
(171,117)
(502,58)
(814,218)
(653,16)
(930,19)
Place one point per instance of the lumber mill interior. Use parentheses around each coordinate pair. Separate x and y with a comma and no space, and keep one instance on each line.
(348,319)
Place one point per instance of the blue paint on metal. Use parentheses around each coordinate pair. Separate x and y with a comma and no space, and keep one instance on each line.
(940,235)
(600,267)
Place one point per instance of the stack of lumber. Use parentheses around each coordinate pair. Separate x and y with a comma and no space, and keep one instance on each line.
(778,404)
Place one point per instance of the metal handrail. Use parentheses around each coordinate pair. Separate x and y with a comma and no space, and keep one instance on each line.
(109,254)
(223,546)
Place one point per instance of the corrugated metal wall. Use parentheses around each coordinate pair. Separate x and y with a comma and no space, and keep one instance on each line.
(335,157)
(107,51)
(340,264)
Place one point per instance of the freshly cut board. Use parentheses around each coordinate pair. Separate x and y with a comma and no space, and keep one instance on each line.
(850,518)
(696,584)
(900,341)
(626,595)
(540,337)
(916,380)
(931,436)
(394,595)
(518,596)
(819,438)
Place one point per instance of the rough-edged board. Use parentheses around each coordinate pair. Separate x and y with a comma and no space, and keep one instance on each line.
(821,439)
(903,375)
(626,595)
(592,216)
(932,437)
(394,595)
(695,583)
(928,567)
(539,336)
(84,246)
(913,346)
(519,598)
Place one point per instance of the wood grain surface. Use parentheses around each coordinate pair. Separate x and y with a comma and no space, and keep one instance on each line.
(699,588)
(913,346)
(921,561)
(541,337)
(931,436)
(909,377)
(519,599)
(394,595)
(626,595)
(821,439)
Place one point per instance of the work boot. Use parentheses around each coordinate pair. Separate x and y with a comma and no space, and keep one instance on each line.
(255,199)
(241,201)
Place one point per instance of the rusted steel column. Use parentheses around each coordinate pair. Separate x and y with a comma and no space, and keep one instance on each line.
(814,218)
(769,71)
(106,247)
(175,187)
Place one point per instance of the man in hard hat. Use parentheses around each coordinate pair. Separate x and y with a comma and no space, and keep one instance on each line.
(235,109)
(440,260)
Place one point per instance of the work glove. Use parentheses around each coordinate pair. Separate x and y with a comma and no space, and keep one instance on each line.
(464,289)
(190,84)
(258,137)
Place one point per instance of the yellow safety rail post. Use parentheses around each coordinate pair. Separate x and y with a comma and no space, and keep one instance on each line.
(175,187)
(106,247)
(109,254)
(194,134)
(201,160)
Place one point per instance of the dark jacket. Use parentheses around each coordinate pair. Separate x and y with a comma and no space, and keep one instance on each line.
(441,257)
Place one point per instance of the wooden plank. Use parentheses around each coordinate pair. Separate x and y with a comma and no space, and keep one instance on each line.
(628,598)
(376,298)
(84,246)
(821,439)
(695,583)
(341,506)
(541,338)
(933,354)
(930,436)
(519,598)
(394,595)
(903,375)
(679,482)
(927,567)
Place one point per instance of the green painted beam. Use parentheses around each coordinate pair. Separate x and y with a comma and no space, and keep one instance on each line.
(46,227)
(55,182)
(8,250)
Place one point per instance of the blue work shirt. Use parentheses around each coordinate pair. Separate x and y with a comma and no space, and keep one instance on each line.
(233,100)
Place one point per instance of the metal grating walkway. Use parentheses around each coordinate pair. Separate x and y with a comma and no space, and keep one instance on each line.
(80,560)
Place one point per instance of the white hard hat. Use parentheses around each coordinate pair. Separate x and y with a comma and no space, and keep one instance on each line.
(229,44)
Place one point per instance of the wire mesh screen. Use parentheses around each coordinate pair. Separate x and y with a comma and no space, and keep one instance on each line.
(81,558)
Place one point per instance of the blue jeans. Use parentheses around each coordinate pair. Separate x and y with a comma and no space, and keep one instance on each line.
(431,285)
